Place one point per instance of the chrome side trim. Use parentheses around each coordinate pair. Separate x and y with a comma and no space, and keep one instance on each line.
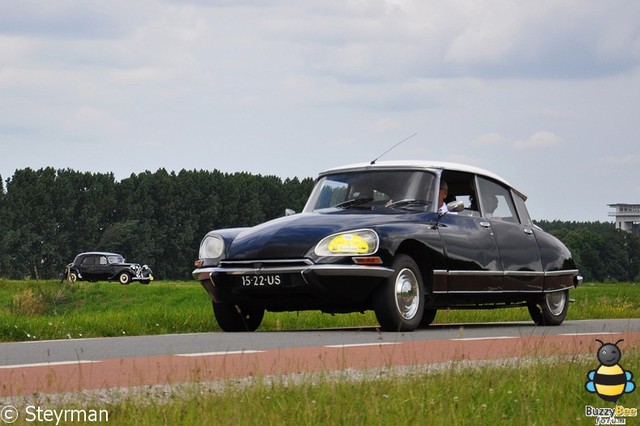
(349,270)
(470,273)
(508,273)
(561,272)
(523,274)
(489,292)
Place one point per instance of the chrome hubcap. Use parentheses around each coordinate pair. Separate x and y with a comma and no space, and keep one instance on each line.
(407,294)
(555,302)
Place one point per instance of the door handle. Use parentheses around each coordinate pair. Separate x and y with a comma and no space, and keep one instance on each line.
(485,225)
(528,231)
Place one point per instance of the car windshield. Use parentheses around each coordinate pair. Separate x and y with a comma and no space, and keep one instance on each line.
(384,189)
(116,259)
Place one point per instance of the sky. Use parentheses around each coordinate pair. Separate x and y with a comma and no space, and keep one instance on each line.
(545,93)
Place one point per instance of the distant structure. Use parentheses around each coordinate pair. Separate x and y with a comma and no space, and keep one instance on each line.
(627,217)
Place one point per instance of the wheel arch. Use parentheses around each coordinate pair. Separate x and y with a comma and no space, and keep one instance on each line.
(423,258)
(115,276)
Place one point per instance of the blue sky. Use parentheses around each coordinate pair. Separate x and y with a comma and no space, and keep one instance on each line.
(545,93)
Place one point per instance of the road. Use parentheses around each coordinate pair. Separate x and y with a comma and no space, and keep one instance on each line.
(80,364)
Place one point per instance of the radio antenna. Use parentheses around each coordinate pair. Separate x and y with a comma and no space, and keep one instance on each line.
(403,140)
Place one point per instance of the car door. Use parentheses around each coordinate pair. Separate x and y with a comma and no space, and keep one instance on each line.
(516,241)
(472,258)
(102,268)
(89,267)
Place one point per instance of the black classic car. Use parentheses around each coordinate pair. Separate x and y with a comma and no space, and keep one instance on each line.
(96,266)
(403,239)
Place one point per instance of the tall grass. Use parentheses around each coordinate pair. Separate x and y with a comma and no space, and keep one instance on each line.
(38,310)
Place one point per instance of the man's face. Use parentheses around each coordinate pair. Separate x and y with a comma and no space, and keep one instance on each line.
(443,195)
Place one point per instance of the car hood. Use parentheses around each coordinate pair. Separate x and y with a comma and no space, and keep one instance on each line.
(293,236)
(127,264)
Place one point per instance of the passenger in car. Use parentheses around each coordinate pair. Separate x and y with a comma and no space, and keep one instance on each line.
(490,203)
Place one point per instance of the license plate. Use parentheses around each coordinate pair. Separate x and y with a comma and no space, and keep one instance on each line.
(270,280)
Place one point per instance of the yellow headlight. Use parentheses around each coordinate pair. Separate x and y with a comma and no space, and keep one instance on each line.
(357,243)
(348,244)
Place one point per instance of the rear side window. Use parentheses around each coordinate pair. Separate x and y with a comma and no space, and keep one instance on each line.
(89,260)
(522,210)
(496,201)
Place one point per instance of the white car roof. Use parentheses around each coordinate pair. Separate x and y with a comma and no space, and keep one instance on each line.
(419,165)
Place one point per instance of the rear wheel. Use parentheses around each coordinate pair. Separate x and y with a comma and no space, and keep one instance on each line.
(399,302)
(550,309)
(234,318)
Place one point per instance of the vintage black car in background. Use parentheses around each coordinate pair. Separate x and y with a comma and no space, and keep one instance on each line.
(401,238)
(97,266)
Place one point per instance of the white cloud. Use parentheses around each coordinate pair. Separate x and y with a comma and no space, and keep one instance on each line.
(491,139)
(539,140)
(385,124)
(299,86)
(623,160)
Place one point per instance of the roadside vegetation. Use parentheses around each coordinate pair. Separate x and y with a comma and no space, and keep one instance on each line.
(41,310)
(543,391)
(546,391)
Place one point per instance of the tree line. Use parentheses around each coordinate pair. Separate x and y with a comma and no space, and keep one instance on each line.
(602,252)
(47,216)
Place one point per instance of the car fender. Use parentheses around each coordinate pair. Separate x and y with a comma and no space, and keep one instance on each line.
(420,240)
(119,271)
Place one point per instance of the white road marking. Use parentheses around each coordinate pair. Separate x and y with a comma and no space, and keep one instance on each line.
(47,364)
(487,338)
(357,345)
(588,334)
(220,353)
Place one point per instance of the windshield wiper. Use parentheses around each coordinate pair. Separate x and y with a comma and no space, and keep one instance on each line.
(354,202)
(408,202)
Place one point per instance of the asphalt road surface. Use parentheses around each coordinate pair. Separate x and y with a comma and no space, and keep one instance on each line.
(81,364)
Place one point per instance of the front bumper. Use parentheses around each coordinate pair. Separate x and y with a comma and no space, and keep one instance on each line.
(208,273)
(142,278)
(310,278)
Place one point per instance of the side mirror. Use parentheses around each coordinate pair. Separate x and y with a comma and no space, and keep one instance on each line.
(289,212)
(455,206)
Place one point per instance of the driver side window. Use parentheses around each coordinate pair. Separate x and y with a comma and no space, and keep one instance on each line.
(461,187)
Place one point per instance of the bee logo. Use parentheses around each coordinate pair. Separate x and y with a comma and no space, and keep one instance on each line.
(610,380)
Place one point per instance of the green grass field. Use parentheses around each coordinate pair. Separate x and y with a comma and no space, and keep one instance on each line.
(39,310)
(522,391)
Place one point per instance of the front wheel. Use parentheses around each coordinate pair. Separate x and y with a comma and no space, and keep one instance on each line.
(234,318)
(550,309)
(427,317)
(399,302)
(124,278)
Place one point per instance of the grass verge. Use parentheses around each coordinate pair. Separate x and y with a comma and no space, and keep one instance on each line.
(40,310)
(546,391)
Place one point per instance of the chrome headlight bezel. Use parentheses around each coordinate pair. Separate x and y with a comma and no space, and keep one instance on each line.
(359,242)
(211,247)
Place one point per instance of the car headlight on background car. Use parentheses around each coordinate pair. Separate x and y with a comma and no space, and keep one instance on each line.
(357,243)
(211,247)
